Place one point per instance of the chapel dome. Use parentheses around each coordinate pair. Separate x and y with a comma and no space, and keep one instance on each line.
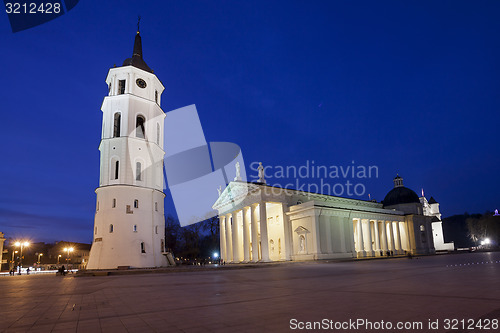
(400,194)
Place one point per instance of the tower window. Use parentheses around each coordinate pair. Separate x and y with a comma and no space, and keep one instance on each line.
(143,247)
(95,230)
(156,96)
(109,88)
(157,134)
(156,229)
(156,206)
(117,169)
(162,245)
(121,87)
(135,228)
(117,124)
(111,229)
(139,127)
(97,207)
(114,203)
(138,171)
(136,203)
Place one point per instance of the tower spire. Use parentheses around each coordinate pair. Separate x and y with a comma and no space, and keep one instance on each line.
(136,59)
(137,46)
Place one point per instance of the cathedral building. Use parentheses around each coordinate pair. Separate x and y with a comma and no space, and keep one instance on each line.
(260,223)
(129,219)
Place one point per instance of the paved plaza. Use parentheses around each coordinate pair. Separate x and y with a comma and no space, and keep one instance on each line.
(271,298)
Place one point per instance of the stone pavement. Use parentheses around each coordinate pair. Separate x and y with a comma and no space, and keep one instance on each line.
(464,286)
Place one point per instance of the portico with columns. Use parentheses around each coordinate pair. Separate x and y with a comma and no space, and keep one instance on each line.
(260,223)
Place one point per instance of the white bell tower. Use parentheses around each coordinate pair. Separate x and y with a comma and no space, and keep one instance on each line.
(129,220)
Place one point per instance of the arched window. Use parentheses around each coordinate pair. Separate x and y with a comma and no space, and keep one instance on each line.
(117,169)
(136,203)
(157,134)
(156,96)
(143,247)
(156,206)
(139,127)
(114,203)
(162,246)
(156,229)
(95,231)
(117,124)
(111,229)
(135,228)
(138,171)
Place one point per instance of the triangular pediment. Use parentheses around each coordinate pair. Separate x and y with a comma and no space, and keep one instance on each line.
(301,230)
(235,191)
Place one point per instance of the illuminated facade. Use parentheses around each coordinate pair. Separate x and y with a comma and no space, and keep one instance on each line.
(129,225)
(431,208)
(264,223)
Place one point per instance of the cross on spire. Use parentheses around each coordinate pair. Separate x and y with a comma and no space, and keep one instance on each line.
(138,22)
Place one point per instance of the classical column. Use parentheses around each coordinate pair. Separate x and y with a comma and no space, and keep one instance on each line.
(328,232)
(411,246)
(287,244)
(246,235)
(229,243)
(369,240)
(236,243)
(399,244)
(391,234)
(361,245)
(255,233)
(264,241)
(341,226)
(349,235)
(383,239)
(377,238)
(222,232)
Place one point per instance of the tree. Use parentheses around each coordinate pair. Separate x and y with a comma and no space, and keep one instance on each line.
(195,241)
(172,232)
(482,227)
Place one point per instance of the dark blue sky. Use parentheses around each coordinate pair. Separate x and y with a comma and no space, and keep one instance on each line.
(411,87)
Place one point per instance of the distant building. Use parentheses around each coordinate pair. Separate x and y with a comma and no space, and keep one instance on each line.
(2,240)
(431,208)
(68,253)
(264,223)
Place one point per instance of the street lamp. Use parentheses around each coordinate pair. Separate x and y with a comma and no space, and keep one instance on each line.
(39,255)
(22,245)
(59,256)
(13,259)
(68,250)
